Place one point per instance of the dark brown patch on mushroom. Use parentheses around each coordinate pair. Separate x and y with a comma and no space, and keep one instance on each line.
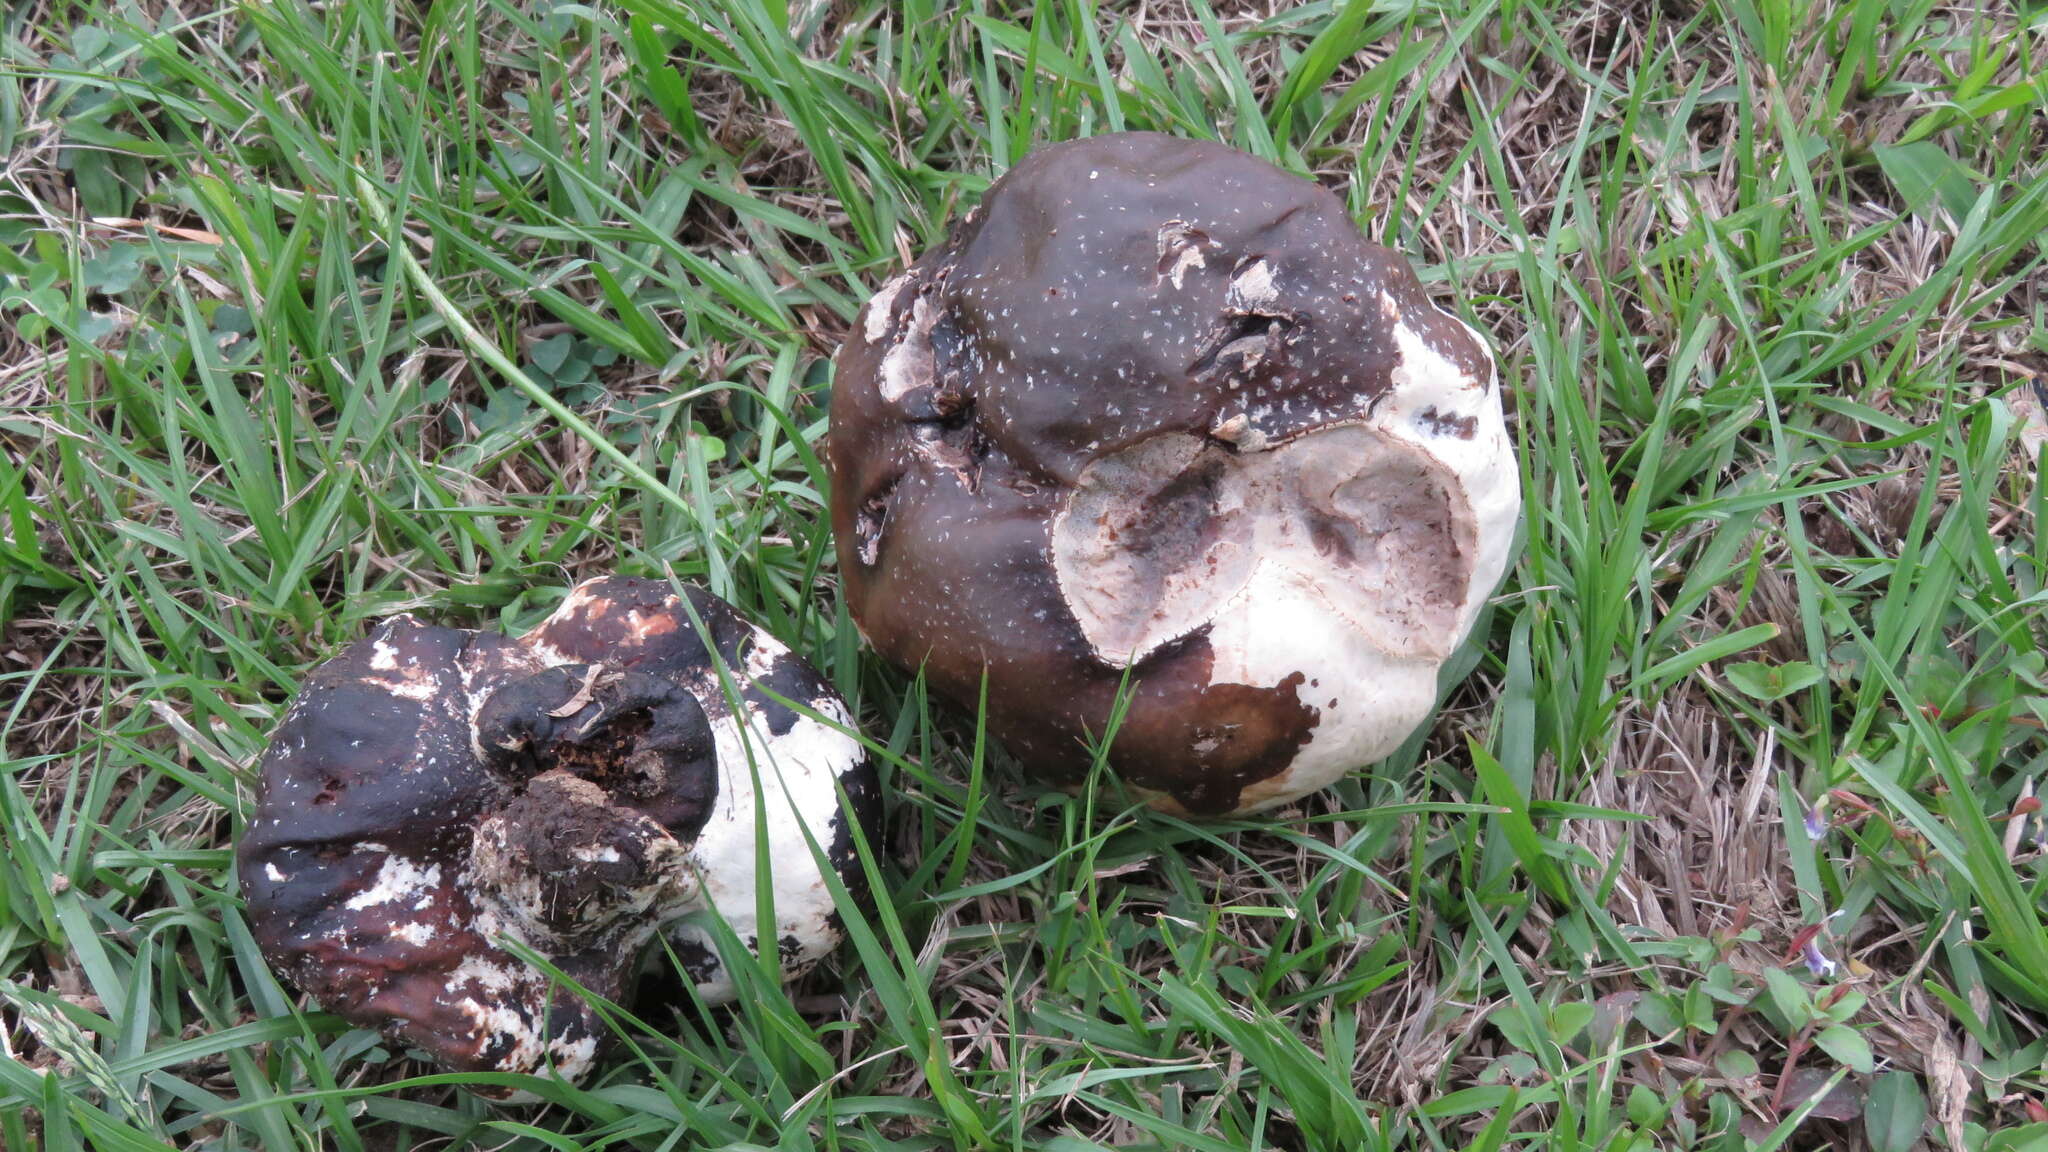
(1198,742)
(1326,532)
(1255,731)
(1438,424)
(1218,738)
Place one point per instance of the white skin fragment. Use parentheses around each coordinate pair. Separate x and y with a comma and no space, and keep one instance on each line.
(876,319)
(1252,290)
(414,933)
(398,879)
(910,363)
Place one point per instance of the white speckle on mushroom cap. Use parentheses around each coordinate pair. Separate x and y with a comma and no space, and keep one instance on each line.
(414,932)
(511,898)
(493,1021)
(492,977)
(404,678)
(506,1007)
(398,880)
(573,1057)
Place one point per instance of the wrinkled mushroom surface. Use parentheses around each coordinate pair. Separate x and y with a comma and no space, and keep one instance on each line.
(433,790)
(1157,410)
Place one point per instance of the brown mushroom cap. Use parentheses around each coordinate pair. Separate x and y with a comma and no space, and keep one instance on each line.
(1157,410)
(432,791)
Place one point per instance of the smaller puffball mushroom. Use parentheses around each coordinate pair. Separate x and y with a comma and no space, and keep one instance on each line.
(1157,438)
(433,793)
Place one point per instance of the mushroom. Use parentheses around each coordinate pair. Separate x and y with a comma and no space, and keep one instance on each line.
(1157,441)
(435,796)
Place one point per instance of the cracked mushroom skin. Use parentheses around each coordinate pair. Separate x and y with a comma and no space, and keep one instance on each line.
(434,791)
(1156,410)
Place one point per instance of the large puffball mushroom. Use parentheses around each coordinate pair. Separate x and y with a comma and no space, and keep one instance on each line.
(1157,413)
(433,793)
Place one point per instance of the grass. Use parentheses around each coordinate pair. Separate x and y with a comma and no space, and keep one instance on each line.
(315,313)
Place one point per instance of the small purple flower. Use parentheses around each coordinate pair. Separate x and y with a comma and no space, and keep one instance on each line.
(1817,961)
(1817,819)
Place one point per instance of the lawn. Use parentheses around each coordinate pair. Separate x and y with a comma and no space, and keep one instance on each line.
(311,313)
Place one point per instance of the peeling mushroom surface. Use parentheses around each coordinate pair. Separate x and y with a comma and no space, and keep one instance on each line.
(1156,410)
(433,791)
